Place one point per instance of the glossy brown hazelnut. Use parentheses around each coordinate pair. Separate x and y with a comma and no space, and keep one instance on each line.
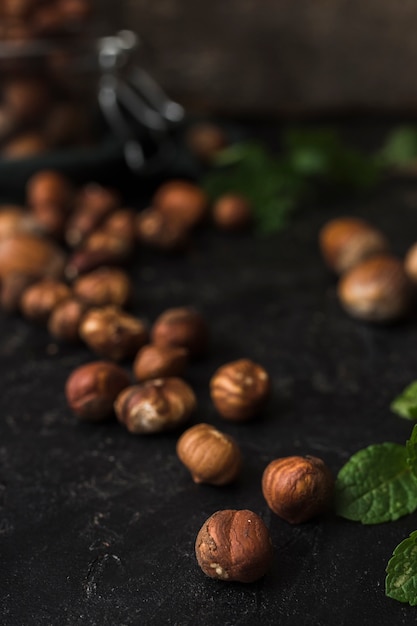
(211,456)
(205,140)
(155,405)
(181,201)
(234,546)
(49,188)
(64,321)
(376,290)
(104,286)
(156,230)
(40,299)
(12,289)
(112,333)
(32,256)
(91,389)
(182,327)
(298,488)
(231,212)
(240,390)
(346,241)
(24,146)
(157,362)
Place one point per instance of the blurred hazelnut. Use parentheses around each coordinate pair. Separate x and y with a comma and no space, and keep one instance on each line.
(181,201)
(376,290)
(17,8)
(410,263)
(112,333)
(104,286)
(12,288)
(205,140)
(182,327)
(49,188)
(121,223)
(156,362)
(30,255)
(64,321)
(240,390)
(75,10)
(15,220)
(211,456)
(27,97)
(40,299)
(155,405)
(346,241)
(91,389)
(234,546)
(297,488)
(94,203)
(24,146)
(47,20)
(159,231)
(232,212)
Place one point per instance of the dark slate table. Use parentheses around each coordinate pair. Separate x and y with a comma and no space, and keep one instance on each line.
(98,527)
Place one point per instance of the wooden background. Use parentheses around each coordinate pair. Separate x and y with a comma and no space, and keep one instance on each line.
(278,57)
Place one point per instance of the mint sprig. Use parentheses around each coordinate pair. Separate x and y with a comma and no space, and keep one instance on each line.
(405,404)
(401,579)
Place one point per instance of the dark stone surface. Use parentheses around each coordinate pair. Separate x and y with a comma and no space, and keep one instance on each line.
(98,527)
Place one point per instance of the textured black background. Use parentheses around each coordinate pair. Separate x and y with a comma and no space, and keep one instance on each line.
(98,526)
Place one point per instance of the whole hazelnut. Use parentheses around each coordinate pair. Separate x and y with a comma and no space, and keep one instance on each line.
(297,488)
(49,188)
(122,224)
(205,140)
(15,220)
(182,327)
(181,201)
(232,212)
(346,241)
(210,455)
(240,389)
(112,333)
(156,230)
(234,546)
(155,405)
(376,290)
(39,300)
(13,286)
(99,248)
(64,321)
(32,256)
(410,263)
(93,204)
(104,286)
(158,362)
(91,389)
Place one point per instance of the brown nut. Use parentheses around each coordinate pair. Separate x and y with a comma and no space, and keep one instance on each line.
(24,146)
(157,362)
(232,212)
(181,201)
(376,290)
(240,389)
(122,224)
(205,140)
(75,11)
(346,241)
(297,488)
(182,327)
(104,286)
(91,389)
(40,299)
(15,220)
(157,230)
(234,546)
(27,97)
(64,321)
(48,189)
(211,456)
(112,333)
(93,204)
(32,256)
(13,287)
(155,405)
(99,248)
(410,263)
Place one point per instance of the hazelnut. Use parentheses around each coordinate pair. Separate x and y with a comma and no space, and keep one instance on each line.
(232,212)
(211,456)
(157,230)
(121,223)
(100,248)
(410,263)
(157,362)
(15,220)
(27,97)
(112,333)
(240,389)
(346,241)
(297,488)
(182,327)
(25,146)
(75,10)
(155,405)
(234,546)
(91,389)
(12,288)
(104,286)
(205,140)
(49,188)
(94,203)
(32,256)
(64,321)
(376,290)
(181,201)
(40,299)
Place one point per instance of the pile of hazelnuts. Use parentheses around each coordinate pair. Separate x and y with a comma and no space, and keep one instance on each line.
(374,285)
(61,265)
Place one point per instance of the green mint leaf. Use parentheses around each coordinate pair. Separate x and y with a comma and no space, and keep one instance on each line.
(376,485)
(401,147)
(411,448)
(401,579)
(405,405)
